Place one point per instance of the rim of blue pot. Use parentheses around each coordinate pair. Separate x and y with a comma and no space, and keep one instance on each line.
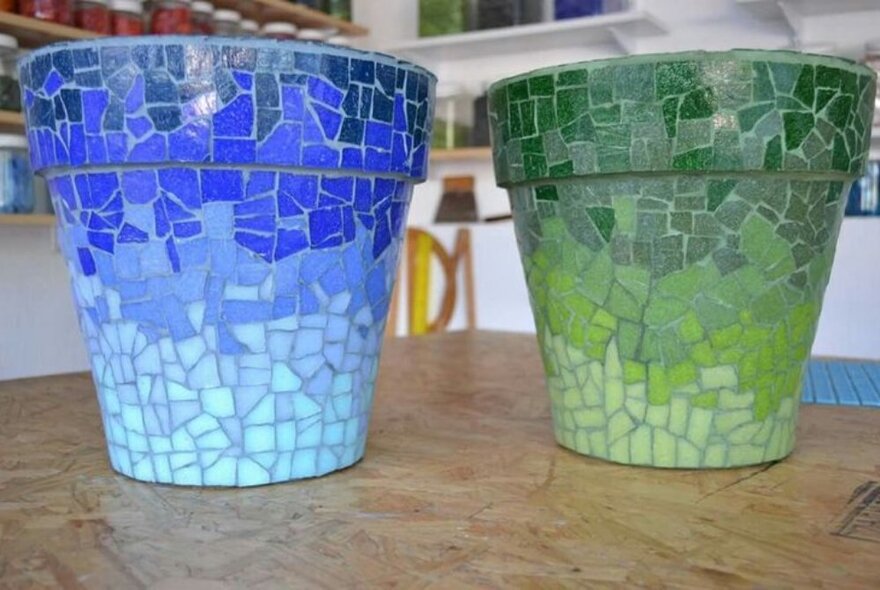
(256,42)
(407,128)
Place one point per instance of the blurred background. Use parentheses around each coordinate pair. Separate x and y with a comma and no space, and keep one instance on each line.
(462,269)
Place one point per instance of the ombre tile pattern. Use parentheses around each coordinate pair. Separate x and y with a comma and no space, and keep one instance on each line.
(231,215)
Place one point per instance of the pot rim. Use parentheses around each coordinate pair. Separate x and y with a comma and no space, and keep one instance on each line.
(739,54)
(220,41)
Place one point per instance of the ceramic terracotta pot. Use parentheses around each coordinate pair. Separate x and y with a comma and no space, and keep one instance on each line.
(677,217)
(231,215)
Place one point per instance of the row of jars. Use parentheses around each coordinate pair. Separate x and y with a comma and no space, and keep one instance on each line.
(161,17)
(445,17)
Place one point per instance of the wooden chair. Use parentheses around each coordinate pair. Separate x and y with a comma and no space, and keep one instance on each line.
(420,247)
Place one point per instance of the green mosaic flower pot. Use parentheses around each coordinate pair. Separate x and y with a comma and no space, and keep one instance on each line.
(677,217)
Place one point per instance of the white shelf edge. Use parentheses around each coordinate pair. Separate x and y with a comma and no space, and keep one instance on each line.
(635,23)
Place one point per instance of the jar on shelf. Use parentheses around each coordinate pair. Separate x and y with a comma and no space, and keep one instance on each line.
(312,35)
(453,117)
(7,5)
(563,9)
(10,93)
(127,17)
(872,60)
(609,6)
(202,18)
(480,130)
(250,28)
(58,11)
(341,41)
(279,30)
(443,17)
(316,4)
(16,177)
(171,17)
(227,22)
(93,15)
(340,9)
(493,14)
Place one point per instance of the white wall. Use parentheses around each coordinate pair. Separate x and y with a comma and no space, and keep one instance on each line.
(39,333)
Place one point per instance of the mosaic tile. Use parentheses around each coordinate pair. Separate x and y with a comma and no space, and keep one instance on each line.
(233,243)
(676,297)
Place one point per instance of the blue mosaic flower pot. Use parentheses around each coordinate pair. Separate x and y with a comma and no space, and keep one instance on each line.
(231,213)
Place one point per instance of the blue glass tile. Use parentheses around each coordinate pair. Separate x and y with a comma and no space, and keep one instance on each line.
(351,104)
(53,83)
(101,240)
(293,103)
(135,99)
(139,186)
(222,185)
(267,119)
(247,312)
(383,108)
(77,145)
(72,100)
(325,93)
(151,149)
(308,62)
(258,183)
(290,242)
(387,77)
(132,234)
(162,225)
(335,69)
(363,71)
(86,261)
(262,223)
(235,151)
(236,119)
(96,150)
(117,147)
(308,303)
(352,159)
(352,131)
(176,61)
(190,143)
(63,63)
(165,118)
(330,120)
(258,244)
(266,87)
(159,87)
(325,227)
(244,79)
(183,183)
(320,156)
(282,146)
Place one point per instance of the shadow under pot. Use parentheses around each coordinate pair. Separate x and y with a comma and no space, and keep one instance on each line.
(677,217)
(232,240)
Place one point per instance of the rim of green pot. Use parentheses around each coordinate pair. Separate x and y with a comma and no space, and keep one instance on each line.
(738,111)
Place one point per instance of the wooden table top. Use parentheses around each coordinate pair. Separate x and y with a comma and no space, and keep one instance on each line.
(462,487)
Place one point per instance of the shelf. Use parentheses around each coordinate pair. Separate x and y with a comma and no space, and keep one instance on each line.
(38,220)
(775,9)
(460,154)
(301,16)
(33,32)
(11,122)
(616,28)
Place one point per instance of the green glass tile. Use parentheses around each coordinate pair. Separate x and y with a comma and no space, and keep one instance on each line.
(634,82)
(805,88)
(541,86)
(676,78)
(749,116)
(718,191)
(797,127)
(670,115)
(784,76)
(763,86)
(546,193)
(607,115)
(839,111)
(601,86)
(518,91)
(698,104)
(603,217)
(546,115)
(696,159)
(773,154)
(573,78)
(823,97)
(527,116)
(698,248)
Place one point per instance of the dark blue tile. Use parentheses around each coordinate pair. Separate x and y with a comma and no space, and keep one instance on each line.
(335,69)
(138,126)
(259,183)
(176,61)
(159,87)
(63,62)
(183,183)
(261,206)
(330,121)
(161,223)
(222,185)
(101,240)
(352,158)
(320,156)
(262,246)
(383,108)
(190,143)
(94,103)
(135,99)
(260,223)
(308,62)
(72,104)
(165,118)
(325,92)
(131,234)
(244,80)
(363,71)
(325,227)
(235,151)
(187,229)
(283,146)
(174,259)
(267,119)
(236,119)
(352,131)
